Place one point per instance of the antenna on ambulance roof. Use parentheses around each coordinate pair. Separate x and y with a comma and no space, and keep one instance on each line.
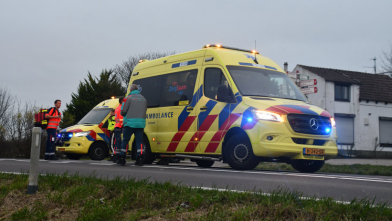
(255,52)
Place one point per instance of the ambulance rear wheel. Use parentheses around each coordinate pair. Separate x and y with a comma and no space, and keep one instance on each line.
(307,166)
(205,163)
(98,151)
(239,154)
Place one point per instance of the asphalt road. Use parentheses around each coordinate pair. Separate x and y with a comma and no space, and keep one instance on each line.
(339,187)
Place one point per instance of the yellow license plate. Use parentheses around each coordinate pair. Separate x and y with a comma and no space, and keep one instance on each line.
(61,149)
(313,151)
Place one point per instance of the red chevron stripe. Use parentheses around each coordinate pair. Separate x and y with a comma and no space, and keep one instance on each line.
(178,136)
(211,148)
(325,114)
(290,110)
(191,147)
(276,110)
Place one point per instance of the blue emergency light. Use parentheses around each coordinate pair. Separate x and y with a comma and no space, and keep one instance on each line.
(69,135)
(327,130)
(249,119)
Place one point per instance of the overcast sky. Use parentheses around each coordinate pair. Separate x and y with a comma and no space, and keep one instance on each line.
(48,47)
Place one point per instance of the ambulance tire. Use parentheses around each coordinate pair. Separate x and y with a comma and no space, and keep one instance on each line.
(149,157)
(238,153)
(307,166)
(98,151)
(205,163)
(74,156)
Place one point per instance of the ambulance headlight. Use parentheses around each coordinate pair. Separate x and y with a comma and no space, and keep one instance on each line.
(82,134)
(265,115)
(333,123)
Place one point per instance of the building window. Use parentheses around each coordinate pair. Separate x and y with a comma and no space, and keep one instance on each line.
(342,92)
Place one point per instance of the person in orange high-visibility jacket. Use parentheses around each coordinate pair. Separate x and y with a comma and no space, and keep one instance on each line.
(54,117)
(117,131)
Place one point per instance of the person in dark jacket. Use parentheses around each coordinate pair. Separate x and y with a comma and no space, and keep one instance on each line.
(134,112)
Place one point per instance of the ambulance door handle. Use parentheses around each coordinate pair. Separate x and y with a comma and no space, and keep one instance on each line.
(189,109)
(204,108)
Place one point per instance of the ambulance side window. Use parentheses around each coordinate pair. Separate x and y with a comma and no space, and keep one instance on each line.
(213,78)
(178,88)
(150,88)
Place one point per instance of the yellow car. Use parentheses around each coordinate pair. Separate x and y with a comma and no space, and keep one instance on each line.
(90,135)
(234,105)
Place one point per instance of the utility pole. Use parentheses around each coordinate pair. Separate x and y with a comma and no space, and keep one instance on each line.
(375,70)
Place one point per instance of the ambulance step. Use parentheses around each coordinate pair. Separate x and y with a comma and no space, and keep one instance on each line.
(198,157)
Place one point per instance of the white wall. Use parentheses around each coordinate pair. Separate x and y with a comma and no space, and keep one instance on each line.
(366,134)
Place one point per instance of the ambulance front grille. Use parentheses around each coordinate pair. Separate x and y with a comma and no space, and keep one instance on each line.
(310,124)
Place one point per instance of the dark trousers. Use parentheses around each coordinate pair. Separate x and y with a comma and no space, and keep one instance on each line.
(127,133)
(49,152)
(117,140)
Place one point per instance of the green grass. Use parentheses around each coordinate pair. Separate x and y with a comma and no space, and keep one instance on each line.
(328,168)
(91,198)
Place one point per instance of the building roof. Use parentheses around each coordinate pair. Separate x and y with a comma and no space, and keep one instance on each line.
(374,87)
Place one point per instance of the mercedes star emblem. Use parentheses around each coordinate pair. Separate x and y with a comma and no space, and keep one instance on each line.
(314,124)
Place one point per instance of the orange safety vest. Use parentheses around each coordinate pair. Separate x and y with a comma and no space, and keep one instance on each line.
(119,117)
(53,123)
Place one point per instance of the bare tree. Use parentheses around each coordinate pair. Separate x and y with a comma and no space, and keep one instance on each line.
(387,62)
(6,106)
(124,70)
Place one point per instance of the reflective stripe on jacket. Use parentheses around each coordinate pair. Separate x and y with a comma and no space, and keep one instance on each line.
(111,123)
(119,117)
(53,123)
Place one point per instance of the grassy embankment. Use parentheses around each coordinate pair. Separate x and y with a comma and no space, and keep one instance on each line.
(89,198)
(328,168)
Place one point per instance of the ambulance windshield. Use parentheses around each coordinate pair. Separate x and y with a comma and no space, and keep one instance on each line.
(264,83)
(95,116)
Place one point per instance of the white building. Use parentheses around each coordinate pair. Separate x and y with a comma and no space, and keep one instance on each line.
(361,104)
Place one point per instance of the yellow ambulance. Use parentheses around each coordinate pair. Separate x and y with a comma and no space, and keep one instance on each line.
(232,105)
(90,136)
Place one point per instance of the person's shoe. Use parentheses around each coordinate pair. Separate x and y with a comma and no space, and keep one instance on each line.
(139,160)
(123,161)
(116,158)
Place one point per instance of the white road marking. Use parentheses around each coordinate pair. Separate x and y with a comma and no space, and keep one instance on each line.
(62,161)
(367,179)
(103,164)
(325,176)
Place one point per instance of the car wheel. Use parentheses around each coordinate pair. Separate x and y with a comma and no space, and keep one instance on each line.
(98,151)
(205,163)
(74,156)
(307,166)
(238,153)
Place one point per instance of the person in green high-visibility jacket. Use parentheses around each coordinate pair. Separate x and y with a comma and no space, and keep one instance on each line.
(111,123)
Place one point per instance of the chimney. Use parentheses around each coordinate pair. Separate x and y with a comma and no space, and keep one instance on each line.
(286,67)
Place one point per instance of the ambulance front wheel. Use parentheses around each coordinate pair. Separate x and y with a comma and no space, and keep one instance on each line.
(239,154)
(307,166)
(204,163)
(98,151)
